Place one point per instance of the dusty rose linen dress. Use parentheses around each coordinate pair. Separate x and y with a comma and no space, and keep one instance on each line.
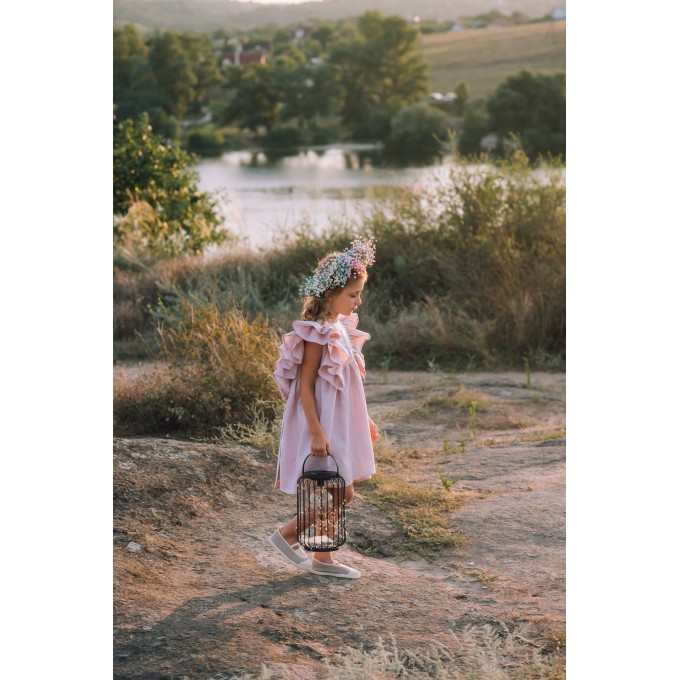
(340,402)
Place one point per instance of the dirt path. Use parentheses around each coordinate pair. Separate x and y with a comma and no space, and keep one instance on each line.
(199,594)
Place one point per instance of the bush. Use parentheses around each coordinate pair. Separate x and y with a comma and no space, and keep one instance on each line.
(532,107)
(469,272)
(475,127)
(282,138)
(157,207)
(206,142)
(218,367)
(472,269)
(416,130)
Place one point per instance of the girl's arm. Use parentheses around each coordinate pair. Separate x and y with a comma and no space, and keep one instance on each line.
(311,360)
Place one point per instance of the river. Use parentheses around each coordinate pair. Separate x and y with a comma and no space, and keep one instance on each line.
(260,198)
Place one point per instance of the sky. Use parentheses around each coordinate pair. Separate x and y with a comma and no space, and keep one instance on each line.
(278,2)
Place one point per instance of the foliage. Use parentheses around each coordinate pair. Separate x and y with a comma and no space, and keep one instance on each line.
(421,511)
(156,203)
(208,142)
(474,266)
(532,106)
(254,101)
(282,138)
(469,273)
(417,130)
(218,372)
(475,127)
(164,74)
(380,71)
(226,358)
(462,95)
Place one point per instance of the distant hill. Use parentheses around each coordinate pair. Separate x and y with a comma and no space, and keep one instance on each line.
(484,58)
(210,15)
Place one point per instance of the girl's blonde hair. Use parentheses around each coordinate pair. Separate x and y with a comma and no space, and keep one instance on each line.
(318,308)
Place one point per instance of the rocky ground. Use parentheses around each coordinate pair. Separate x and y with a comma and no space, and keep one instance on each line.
(198,592)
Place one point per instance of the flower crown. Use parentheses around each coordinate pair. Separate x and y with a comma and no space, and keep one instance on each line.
(335,272)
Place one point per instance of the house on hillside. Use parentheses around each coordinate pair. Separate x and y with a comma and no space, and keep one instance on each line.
(558,14)
(457,27)
(301,33)
(240,58)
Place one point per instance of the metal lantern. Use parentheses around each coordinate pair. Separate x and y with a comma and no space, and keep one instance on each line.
(321,509)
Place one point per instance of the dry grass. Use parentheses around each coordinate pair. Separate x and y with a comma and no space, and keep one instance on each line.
(476,653)
(218,372)
(484,576)
(459,398)
(484,58)
(423,512)
(261,431)
(545,436)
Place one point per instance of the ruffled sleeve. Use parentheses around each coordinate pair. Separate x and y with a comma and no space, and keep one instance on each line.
(291,351)
(357,338)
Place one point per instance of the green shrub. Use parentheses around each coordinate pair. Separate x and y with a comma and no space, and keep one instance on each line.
(282,138)
(416,130)
(157,207)
(531,106)
(206,142)
(475,127)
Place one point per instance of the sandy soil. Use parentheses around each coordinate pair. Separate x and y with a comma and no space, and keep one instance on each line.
(198,592)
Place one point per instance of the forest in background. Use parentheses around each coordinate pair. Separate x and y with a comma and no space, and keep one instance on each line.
(367,79)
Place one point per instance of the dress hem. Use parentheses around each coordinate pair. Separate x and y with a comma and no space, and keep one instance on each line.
(277,485)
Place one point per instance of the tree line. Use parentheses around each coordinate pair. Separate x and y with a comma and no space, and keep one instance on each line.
(363,80)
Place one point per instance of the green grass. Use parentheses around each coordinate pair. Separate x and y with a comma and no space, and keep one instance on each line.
(485,57)
(421,511)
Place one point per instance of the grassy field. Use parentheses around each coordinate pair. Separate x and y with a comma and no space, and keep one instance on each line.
(485,57)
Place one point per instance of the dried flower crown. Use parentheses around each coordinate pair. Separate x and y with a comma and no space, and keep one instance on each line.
(335,272)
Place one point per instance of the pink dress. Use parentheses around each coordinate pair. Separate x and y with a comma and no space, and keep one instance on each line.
(340,402)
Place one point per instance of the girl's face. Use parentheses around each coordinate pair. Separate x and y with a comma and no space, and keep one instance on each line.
(349,298)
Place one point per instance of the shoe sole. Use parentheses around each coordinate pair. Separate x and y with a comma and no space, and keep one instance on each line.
(326,573)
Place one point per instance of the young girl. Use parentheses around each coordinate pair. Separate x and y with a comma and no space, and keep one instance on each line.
(320,373)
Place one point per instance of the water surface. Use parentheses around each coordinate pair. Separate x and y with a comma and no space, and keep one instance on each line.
(260,197)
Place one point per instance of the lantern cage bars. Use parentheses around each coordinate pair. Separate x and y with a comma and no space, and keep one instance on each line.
(321,509)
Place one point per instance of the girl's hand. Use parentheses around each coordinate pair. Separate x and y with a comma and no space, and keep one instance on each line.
(320,444)
(375,434)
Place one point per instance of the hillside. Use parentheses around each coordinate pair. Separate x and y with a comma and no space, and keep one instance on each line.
(486,57)
(210,15)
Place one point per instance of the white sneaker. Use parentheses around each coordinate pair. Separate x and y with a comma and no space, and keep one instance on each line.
(297,558)
(333,569)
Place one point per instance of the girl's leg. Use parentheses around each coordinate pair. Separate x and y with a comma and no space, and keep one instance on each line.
(289,530)
(327,557)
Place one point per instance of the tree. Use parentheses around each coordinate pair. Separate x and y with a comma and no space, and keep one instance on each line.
(417,131)
(173,71)
(305,88)
(133,82)
(380,71)
(532,106)
(254,100)
(462,95)
(475,127)
(203,63)
(157,206)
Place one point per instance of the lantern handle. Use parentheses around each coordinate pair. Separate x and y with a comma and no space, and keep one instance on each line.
(337,468)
